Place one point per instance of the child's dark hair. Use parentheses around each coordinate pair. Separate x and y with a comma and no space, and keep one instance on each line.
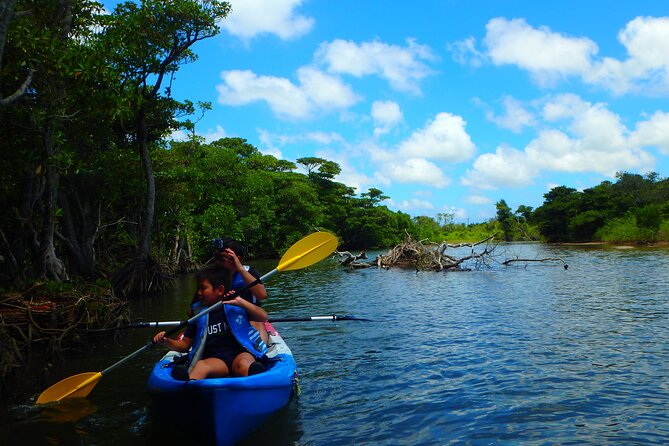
(216,275)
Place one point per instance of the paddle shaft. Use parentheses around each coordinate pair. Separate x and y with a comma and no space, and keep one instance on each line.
(330,317)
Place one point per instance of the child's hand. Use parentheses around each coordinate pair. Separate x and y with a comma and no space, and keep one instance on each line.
(160,338)
(237,301)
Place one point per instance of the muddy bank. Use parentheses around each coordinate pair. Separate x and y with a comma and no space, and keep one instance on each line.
(661,244)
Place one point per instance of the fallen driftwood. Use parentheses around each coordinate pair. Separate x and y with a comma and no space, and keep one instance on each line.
(349,260)
(424,255)
(549,259)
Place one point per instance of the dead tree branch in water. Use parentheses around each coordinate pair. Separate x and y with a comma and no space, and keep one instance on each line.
(549,259)
(424,255)
(351,261)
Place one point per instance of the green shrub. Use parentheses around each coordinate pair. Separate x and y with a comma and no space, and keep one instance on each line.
(663,231)
(625,230)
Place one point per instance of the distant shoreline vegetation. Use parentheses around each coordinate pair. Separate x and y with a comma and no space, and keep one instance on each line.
(634,210)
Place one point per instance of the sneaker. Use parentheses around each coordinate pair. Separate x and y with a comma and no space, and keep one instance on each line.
(180,372)
(256,368)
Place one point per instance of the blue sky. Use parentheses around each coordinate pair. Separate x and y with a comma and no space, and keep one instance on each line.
(446,106)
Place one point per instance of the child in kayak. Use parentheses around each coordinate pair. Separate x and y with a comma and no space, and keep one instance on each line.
(229,254)
(228,349)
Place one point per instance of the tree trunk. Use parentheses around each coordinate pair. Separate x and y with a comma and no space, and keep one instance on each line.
(6,16)
(143,275)
(50,265)
(149,208)
(78,239)
(27,249)
(175,251)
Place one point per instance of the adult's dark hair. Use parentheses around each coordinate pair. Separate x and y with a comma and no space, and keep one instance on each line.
(217,275)
(237,247)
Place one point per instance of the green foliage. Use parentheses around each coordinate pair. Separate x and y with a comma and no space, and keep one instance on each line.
(625,230)
(505,219)
(649,216)
(426,228)
(631,210)
(663,230)
(583,226)
(553,217)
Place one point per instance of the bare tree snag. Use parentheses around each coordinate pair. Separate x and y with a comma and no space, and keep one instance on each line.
(351,261)
(424,255)
(549,259)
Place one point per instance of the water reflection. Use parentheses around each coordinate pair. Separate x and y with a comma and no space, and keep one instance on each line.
(68,411)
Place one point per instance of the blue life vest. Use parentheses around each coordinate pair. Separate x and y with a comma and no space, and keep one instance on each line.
(247,336)
(238,283)
(238,280)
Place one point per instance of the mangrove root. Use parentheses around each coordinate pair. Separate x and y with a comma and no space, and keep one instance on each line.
(141,277)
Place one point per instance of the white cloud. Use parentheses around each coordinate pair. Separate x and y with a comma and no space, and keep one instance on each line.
(444,138)
(464,52)
(653,132)
(317,91)
(598,128)
(274,142)
(550,56)
(515,117)
(215,134)
(556,151)
(402,67)
(647,41)
(459,214)
(386,115)
(585,137)
(415,170)
(250,18)
(545,54)
(268,145)
(179,135)
(209,136)
(506,167)
(324,90)
(412,204)
(283,97)
(478,199)
(647,66)
(323,137)
(597,140)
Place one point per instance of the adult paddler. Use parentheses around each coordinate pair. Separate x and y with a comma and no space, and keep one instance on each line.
(229,253)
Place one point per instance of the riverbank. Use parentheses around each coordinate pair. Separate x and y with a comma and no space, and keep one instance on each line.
(47,320)
(660,244)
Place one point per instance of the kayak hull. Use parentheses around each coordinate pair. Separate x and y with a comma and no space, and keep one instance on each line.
(222,411)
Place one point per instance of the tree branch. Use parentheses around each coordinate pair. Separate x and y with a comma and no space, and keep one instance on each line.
(20,92)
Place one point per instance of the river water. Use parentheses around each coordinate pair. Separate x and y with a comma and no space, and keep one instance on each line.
(531,353)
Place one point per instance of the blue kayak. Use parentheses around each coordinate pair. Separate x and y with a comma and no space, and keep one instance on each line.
(222,411)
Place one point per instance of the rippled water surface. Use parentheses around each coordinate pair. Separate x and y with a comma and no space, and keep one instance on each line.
(527,354)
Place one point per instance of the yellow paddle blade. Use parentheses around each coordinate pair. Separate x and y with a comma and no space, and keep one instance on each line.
(77,386)
(311,249)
